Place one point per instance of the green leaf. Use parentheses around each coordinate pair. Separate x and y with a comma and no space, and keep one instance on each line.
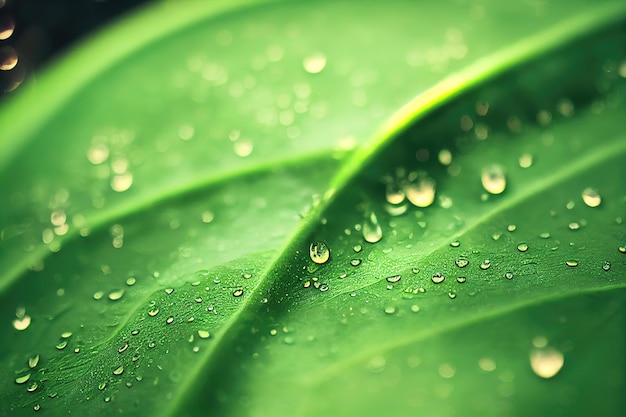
(160,211)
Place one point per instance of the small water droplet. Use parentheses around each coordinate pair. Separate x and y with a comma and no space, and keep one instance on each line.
(394,193)
(153,312)
(33,361)
(243,147)
(452,295)
(98,295)
(415,270)
(545,235)
(438,278)
(574,226)
(390,310)
(487,364)
(372,231)
(21,323)
(606,266)
(36,407)
(511,228)
(119,370)
(116,295)
(122,348)
(508,275)
(622,249)
(394,278)
(455,243)
(461,262)
(546,362)
(61,345)
(169,320)
(273,332)
(324,287)
(203,334)
(102,385)
(525,160)
(355,262)
(357,248)
(135,332)
(485,264)
(246,275)
(493,179)
(314,63)
(168,291)
(238,292)
(22,379)
(591,197)
(319,252)
(421,191)
(461,279)
(415,308)
(571,264)
(32,387)
(446,371)
(522,247)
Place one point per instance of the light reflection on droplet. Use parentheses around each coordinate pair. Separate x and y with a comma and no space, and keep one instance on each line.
(21,323)
(493,179)
(98,153)
(8,58)
(421,191)
(372,232)
(314,63)
(243,148)
(319,252)
(546,362)
(591,197)
(121,183)
(525,160)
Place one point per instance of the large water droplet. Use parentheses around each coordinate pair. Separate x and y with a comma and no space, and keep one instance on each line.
(116,295)
(394,278)
(22,379)
(319,252)
(546,362)
(522,247)
(238,292)
(421,191)
(203,334)
(372,232)
(314,63)
(493,179)
(571,263)
(119,370)
(394,193)
(438,278)
(21,323)
(33,361)
(591,197)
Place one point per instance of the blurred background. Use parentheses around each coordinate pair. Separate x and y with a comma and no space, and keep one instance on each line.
(35,32)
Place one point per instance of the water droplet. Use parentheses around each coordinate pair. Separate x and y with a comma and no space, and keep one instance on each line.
(36,407)
(21,323)
(169,320)
(493,179)
(131,281)
(445,157)
(355,262)
(574,226)
(319,252)
(546,362)
(98,295)
(606,266)
(61,345)
(243,148)
(372,232)
(116,295)
(461,262)
(438,278)
(314,63)
(522,247)
(122,348)
(511,228)
(487,364)
(246,275)
(394,278)
(357,248)
(273,332)
(461,279)
(394,193)
(452,295)
(153,312)
(134,332)
(508,275)
(591,197)
(168,291)
(485,265)
(447,371)
(119,370)
(33,361)
(8,58)
(622,249)
(204,334)
(238,292)
(390,310)
(22,379)
(32,387)
(571,264)
(102,385)
(545,235)
(526,160)
(121,183)
(421,191)
(415,270)
(455,243)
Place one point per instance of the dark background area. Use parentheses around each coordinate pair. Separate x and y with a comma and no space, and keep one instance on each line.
(42,29)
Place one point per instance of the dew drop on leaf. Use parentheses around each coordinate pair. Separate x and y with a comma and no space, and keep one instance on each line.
(116,295)
(574,226)
(511,228)
(131,281)
(324,287)
(119,370)
(357,248)
(394,193)
(169,320)
(452,295)
(98,295)
(153,312)
(606,266)
(461,262)
(122,348)
(493,179)
(485,265)
(319,252)
(390,310)
(438,278)
(546,362)
(203,334)
(522,247)
(508,275)
(372,232)
(238,292)
(102,386)
(22,379)
(461,279)
(168,291)
(591,197)
(314,63)
(33,361)
(21,323)
(61,345)
(455,243)
(622,249)
(394,278)
(525,160)
(421,191)
(32,387)
(487,364)
(571,264)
